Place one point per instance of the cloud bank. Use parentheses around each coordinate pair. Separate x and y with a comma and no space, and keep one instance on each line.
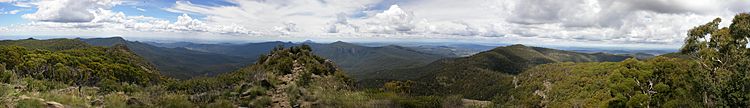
(614,22)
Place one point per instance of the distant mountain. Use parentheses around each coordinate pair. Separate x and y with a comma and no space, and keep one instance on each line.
(446,50)
(50,44)
(249,50)
(355,59)
(650,52)
(491,70)
(641,56)
(178,62)
(360,61)
(169,45)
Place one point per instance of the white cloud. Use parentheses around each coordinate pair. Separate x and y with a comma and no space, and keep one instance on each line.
(654,22)
(309,16)
(140,9)
(68,10)
(11,12)
(95,15)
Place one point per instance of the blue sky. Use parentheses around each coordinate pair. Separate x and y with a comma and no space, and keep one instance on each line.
(631,23)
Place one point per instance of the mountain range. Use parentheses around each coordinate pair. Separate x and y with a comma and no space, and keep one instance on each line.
(408,73)
(355,59)
(475,75)
(178,62)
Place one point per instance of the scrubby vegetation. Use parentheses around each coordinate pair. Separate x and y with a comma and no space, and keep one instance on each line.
(708,72)
(88,76)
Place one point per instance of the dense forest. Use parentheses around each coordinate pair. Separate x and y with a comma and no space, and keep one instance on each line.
(711,70)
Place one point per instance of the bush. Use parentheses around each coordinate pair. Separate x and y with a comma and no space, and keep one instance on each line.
(420,102)
(115,101)
(7,76)
(261,102)
(220,104)
(66,99)
(30,103)
(42,85)
(6,90)
(112,86)
(174,101)
(256,91)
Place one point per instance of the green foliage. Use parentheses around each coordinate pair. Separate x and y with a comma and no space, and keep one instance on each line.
(66,99)
(6,91)
(724,61)
(7,76)
(174,101)
(115,100)
(115,77)
(220,104)
(42,85)
(112,86)
(481,76)
(30,103)
(179,63)
(81,65)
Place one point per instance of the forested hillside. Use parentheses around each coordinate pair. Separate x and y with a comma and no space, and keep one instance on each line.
(482,75)
(708,72)
(178,63)
(356,60)
(361,61)
(89,76)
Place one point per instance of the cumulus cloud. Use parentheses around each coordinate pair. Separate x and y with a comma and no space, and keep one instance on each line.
(617,21)
(96,15)
(662,22)
(274,16)
(393,20)
(397,21)
(68,10)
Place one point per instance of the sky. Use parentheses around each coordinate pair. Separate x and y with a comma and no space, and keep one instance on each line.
(611,23)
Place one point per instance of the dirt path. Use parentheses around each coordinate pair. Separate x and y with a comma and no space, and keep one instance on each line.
(279,95)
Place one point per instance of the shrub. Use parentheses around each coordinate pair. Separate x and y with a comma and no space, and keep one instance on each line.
(42,85)
(7,76)
(6,90)
(115,101)
(220,104)
(174,101)
(261,102)
(112,86)
(256,91)
(30,103)
(66,99)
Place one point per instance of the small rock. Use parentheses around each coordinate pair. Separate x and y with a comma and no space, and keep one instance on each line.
(97,102)
(134,102)
(54,105)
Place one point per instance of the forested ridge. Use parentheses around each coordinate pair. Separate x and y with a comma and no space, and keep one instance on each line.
(90,76)
(711,70)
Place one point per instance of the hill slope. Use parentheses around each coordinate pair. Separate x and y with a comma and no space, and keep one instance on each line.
(356,60)
(75,62)
(360,61)
(178,62)
(486,71)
